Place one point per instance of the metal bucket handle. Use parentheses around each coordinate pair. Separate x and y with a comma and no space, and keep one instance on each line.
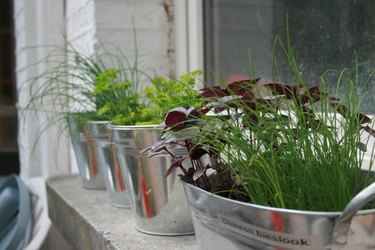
(342,224)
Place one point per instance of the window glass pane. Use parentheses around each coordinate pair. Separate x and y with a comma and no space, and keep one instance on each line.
(324,35)
(6,16)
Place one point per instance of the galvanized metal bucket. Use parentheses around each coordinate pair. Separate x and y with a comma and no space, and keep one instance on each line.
(222,223)
(84,149)
(158,202)
(108,162)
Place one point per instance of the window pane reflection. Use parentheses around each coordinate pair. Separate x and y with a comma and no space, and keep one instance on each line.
(324,35)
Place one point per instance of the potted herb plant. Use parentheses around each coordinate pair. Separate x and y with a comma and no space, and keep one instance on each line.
(65,92)
(158,203)
(114,95)
(273,166)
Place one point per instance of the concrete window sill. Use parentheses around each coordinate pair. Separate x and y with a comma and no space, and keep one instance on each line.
(87,220)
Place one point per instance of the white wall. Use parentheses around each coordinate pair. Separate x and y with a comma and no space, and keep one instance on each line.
(80,24)
(37,22)
(152,19)
(93,22)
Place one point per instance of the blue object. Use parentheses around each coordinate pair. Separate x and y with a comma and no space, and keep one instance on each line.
(15,214)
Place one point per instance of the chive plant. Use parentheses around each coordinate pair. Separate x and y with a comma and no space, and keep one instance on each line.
(68,86)
(282,145)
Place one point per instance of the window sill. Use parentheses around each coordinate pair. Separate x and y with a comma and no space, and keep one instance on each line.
(87,220)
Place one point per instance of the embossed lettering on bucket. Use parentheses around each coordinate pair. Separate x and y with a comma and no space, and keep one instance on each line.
(222,223)
(108,162)
(84,149)
(158,202)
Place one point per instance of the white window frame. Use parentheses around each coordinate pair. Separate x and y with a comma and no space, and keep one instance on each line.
(189,35)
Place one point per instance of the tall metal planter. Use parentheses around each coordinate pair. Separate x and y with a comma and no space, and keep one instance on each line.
(158,202)
(108,162)
(222,223)
(84,149)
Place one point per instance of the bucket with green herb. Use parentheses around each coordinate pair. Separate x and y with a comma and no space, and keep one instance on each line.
(158,203)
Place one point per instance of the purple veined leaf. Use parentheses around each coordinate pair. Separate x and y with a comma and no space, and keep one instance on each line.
(197,153)
(304,99)
(364,118)
(253,117)
(170,137)
(311,94)
(188,176)
(240,87)
(317,98)
(334,99)
(199,172)
(221,103)
(179,109)
(193,113)
(281,89)
(313,90)
(215,91)
(369,130)
(249,103)
(226,117)
(194,118)
(247,95)
(163,152)
(175,118)
(221,109)
(335,103)
(146,150)
(204,110)
(176,163)
(316,93)
(297,89)
(158,146)
(234,105)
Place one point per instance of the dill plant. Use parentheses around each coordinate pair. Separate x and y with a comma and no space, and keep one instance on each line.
(123,106)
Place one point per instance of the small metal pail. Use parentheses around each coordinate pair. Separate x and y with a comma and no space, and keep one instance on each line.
(108,162)
(222,223)
(158,202)
(84,149)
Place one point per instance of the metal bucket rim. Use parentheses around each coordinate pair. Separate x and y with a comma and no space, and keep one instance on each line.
(98,122)
(136,127)
(99,135)
(275,209)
